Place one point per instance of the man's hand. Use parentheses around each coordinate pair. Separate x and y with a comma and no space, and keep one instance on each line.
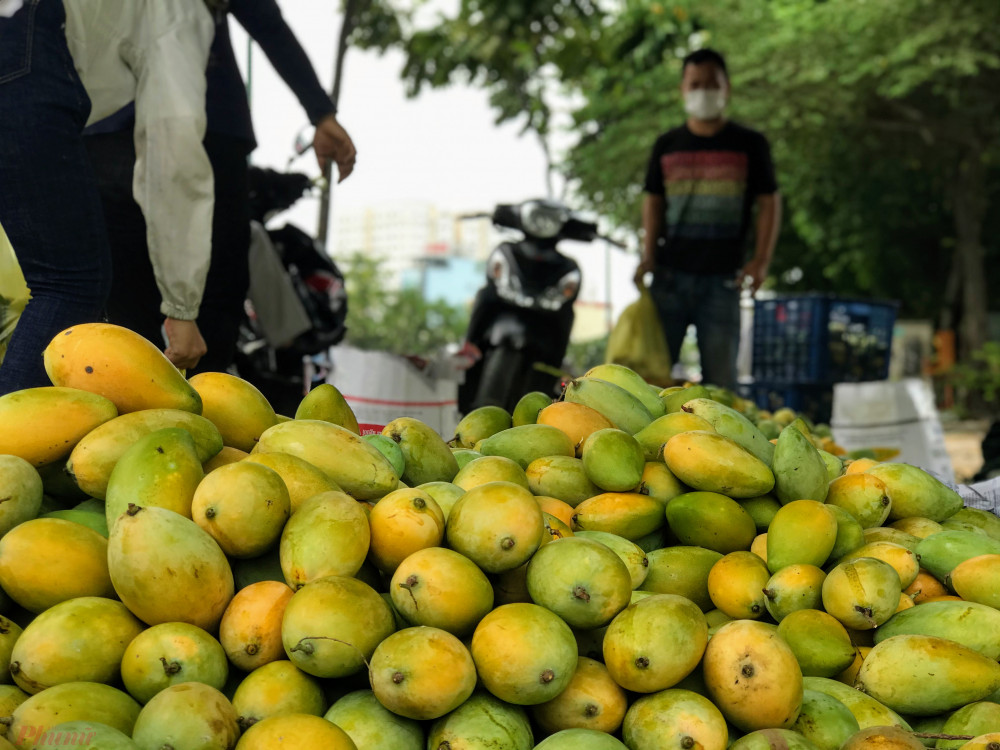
(331,141)
(185,346)
(646,265)
(756,272)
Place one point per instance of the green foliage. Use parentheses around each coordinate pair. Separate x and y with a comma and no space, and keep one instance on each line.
(979,380)
(397,321)
(582,355)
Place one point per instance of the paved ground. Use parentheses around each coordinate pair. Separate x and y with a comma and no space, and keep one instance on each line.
(963,440)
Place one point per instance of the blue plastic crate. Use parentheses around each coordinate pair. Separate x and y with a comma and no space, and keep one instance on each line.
(814,400)
(821,339)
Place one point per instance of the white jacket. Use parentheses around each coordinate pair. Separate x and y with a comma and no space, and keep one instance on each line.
(155,52)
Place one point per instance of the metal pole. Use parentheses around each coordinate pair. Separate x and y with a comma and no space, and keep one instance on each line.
(351,8)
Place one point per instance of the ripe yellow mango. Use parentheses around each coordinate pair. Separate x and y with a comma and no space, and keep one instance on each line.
(862,594)
(864,496)
(302,479)
(490,469)
(627,514)
(904,561)
(672,717)
(576,420)
(42,425)
(653,437)
(497,525)
(736,585)
(593,700)
(295,730)
(403,522)
(978,580)
(802,532)
(710,462)
(793,588)
(561,477)
(914,492)
(235,407)
(329,535)
(275,689)
(120,365)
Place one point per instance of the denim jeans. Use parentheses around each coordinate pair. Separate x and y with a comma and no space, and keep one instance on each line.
(49,204)
(712,303)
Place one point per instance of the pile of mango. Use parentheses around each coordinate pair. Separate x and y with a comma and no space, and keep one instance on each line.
(625,567)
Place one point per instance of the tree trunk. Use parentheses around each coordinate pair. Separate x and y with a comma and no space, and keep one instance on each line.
(970,204)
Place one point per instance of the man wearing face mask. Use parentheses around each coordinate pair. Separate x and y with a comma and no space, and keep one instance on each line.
(703,183)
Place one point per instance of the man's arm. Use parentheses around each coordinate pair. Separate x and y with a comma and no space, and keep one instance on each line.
(653,207)
(173,182)
(263,21)
(768,228)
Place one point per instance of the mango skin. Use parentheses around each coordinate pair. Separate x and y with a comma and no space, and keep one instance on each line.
(593,702)
(94,457)
(370,724)
(120,365)
(326,403)
(483,721)
(667,718)
(42,425)
(825,721)
(329,535)
(21,489)
(978,580)
(923,676)
(682,571)
(295,730)
(941,553)
(733,425)
(799,471)
(627,514)
(653,437)
(427,457)
(613,460)
(578,421)
(972,625)
(736,585)
(301,478)
(490,469)
(862,594)
(187,715)
(820,643)
(235,407)
(498,526)
(480,424)
(527,408)
(975,719)
(73,701)
(866,710)
(619,406)
(169,654)
(914,492)
(561,477)
(803,532)
(278,687)
(526,443)
(864,496)
(710,462)
(707,519)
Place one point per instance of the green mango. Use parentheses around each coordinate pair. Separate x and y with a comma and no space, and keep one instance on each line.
(327,404)
(659,539)
(97,736)
(161,470)
(653,437)
(973,625)
(674,398)
(561,477)
(428,458)
(951,524)
(370,724)
(627,514)
(889,534)
(820,643)
(613,460)
(803,425)
(480,424)
(632,382)
(527,408)
(930,725)
(914,492)
(975,719)
(834,466)
(923,675)
(733,425)
(464,456)
(490,469)
(619,406)
(824,721)
(660,483)
(981,519)
(769,428)
(761,510)
(850,534)
(713,463)
(710,520)
(95,521)
(580,739)
(799,470)
(866,710)
(21,489)
(772,739)
(655,721)
(682,571)
(629,552)
(483,721)
(803,532)
(940,553)
(390,449)
(528,442)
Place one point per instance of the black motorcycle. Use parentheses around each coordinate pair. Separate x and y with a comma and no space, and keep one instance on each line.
(522,318)
(310,287)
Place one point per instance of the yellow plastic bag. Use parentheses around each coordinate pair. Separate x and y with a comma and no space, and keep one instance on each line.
(13,292)
(637,341)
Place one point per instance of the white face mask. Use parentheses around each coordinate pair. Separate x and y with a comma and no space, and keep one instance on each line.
(705,104)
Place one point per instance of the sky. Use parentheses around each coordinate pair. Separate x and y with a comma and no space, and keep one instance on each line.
(443,147)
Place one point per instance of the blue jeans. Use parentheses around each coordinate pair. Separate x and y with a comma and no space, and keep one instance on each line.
(49,205)
(712,303)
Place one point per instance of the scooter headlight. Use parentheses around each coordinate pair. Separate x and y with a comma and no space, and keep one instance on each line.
(542,220)
(569,285)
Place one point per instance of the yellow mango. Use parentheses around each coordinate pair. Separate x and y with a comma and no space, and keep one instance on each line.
(801,532)
(862,594)
(120,365)
(674,718)
(793,588)
(21,489)
(235,407)
(864,496)
(42,425)
(576,420)
(904,561)
(402,523)
(653,437)
(275,689)
(710,462)
(592,700)
(172,653)
(302,479)
(250,630)
(328,535)
(71,701)
(223,458)
(627,514)
(497,525)
(977,580)
(736,585)
(326,403)
(295,731)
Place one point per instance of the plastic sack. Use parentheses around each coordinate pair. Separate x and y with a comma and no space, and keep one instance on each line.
(637,341)
(13,292)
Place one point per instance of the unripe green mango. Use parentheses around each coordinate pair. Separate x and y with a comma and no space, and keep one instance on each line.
(629,552)
(483,721)
(464,456)
(866,710)
(923,675)
(619,406)
(710,520)
(761,510)
(95,521)
(850,535)
(941,553)
(326,403)
(445,494)
(490,469)
(821,645)
(834,465)
(803,531)
(391,450)
(710,462)
(370,724)
(682,571)
(773,739)
(799,470)
(975,626)
(480,424)
(527,408)
(162,470)
(73,701)
(580,739)
(984,520)
(427,457)
(356,465)
(328,535)
(561,477)
(825,721)
(914,492)
(769,428)
(675,398)
(613,460)
(632,382)
(653,437)
(733,425)
(975,719)
(792,589)
(889,534)
(627,514)
(21,488)
(529,442)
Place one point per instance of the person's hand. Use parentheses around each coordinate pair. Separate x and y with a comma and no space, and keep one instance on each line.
(185,346)
(645,266)
(755,272)
(331,141)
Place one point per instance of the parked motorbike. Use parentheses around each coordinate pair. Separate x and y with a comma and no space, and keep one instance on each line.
(299,309)
(522,318)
